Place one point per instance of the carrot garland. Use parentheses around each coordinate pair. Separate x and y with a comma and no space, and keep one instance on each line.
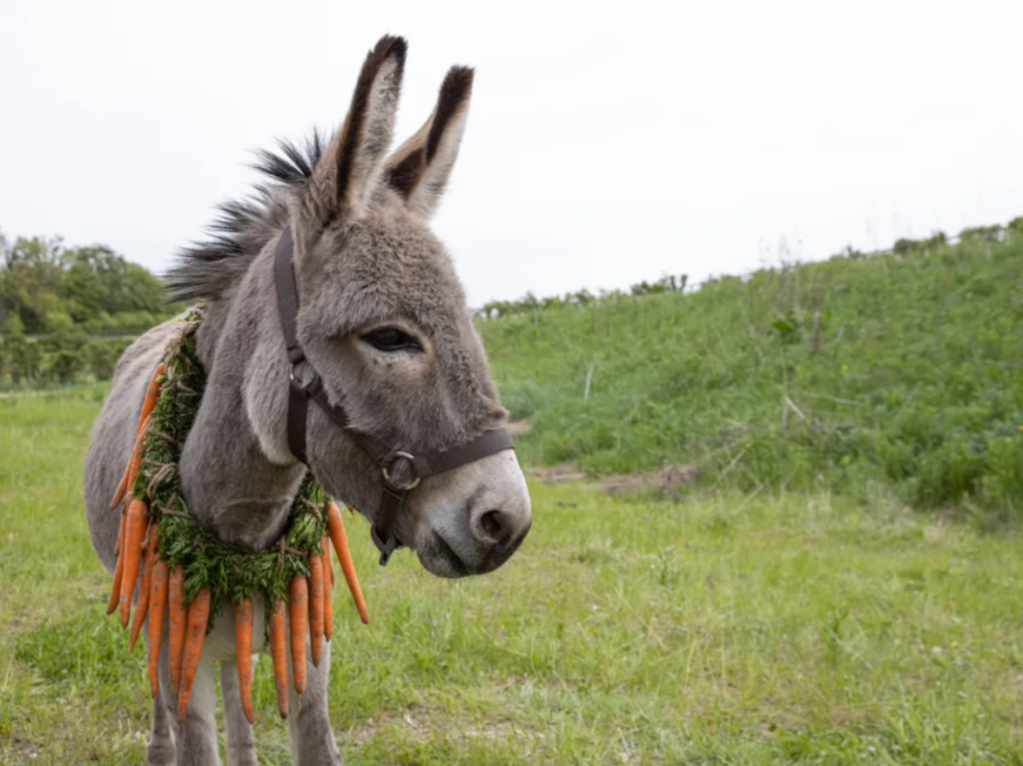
(186,570)
(279,652)
(344,557)
(157,603)
(142,607)
(315,589)
(243,652)
(198,616)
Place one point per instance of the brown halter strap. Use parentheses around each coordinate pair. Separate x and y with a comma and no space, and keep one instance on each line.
(421,466)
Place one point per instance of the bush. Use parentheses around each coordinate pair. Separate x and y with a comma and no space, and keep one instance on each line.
(1002,484)
(522,398)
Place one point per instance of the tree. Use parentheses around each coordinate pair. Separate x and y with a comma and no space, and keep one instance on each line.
(31,281)
(99,280)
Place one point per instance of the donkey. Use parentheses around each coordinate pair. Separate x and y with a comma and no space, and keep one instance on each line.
(382,320)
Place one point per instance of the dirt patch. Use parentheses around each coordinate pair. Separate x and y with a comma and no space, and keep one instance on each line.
(556,474)
(663,479)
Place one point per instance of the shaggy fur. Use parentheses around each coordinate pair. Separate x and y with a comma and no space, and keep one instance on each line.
(364,259)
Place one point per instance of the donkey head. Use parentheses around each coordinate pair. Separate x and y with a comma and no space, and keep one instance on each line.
(385,323)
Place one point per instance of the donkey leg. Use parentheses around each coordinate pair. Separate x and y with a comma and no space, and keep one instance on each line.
(241,747)
(196,738)
(312,741)
(161,750)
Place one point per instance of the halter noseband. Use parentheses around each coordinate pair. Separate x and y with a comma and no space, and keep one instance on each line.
(421,466)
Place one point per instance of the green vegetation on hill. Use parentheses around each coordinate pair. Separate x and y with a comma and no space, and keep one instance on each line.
(900,371)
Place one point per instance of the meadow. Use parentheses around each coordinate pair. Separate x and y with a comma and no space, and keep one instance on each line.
(719,626)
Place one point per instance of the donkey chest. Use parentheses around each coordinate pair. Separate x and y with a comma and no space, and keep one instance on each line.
(251,522)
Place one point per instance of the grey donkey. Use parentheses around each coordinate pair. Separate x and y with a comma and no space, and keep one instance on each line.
(384,321)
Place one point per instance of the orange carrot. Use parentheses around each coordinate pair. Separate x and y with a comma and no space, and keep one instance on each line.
(344,556)
(133,465)
(148,405)
(298,613)
(325,544)
(122,485)
(142,607)
(115,591)
(315,589)
(136,454)
(136,532)
(328,592)
(198,617)
(243,651)
(152,393)
(279,652)
(178,619)
(157,603)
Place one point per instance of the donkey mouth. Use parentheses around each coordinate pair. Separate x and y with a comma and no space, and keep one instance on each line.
(441,558)
(456,567)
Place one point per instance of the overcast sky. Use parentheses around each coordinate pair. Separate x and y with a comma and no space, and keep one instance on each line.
(607,143)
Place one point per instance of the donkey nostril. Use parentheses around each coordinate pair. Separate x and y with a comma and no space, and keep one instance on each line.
(491,523)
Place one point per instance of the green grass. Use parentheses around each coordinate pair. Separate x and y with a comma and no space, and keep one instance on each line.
(720,629)
(902,371)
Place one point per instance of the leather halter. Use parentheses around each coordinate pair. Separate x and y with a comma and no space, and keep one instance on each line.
(421,465)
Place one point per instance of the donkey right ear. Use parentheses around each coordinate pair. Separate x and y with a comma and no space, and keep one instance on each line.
(347,172)
(419,169)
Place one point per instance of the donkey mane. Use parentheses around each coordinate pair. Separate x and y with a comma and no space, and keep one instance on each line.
(209,268)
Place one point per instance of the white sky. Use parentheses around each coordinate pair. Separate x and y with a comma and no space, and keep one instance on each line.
(607,143)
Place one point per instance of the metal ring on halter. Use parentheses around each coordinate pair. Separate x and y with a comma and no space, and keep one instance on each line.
(408,457)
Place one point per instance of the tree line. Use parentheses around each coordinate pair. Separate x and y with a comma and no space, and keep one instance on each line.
(530,304)
(68,312)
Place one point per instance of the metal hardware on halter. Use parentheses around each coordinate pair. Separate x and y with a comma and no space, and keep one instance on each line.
(408,457)
(392,497)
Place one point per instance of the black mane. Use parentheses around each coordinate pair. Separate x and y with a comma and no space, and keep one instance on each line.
(206,269)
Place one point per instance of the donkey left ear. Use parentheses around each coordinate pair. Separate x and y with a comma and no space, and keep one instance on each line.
(347,172)
(419,169)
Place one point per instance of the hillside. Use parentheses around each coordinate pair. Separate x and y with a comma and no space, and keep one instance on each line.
(894,372)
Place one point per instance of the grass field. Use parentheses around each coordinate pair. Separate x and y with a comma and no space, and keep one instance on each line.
(724,629)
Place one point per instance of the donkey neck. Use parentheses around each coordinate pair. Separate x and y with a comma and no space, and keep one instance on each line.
(236,479)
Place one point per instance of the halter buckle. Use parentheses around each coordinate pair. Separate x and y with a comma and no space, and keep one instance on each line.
(393,457)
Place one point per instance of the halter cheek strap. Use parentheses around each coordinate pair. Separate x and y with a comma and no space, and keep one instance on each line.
(385,456)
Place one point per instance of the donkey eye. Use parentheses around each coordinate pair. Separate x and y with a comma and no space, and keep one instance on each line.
(392,339)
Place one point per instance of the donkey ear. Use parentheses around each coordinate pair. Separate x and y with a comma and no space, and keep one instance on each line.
(347,172)
(420,168)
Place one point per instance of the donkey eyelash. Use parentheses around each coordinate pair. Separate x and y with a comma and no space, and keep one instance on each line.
(390,339)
